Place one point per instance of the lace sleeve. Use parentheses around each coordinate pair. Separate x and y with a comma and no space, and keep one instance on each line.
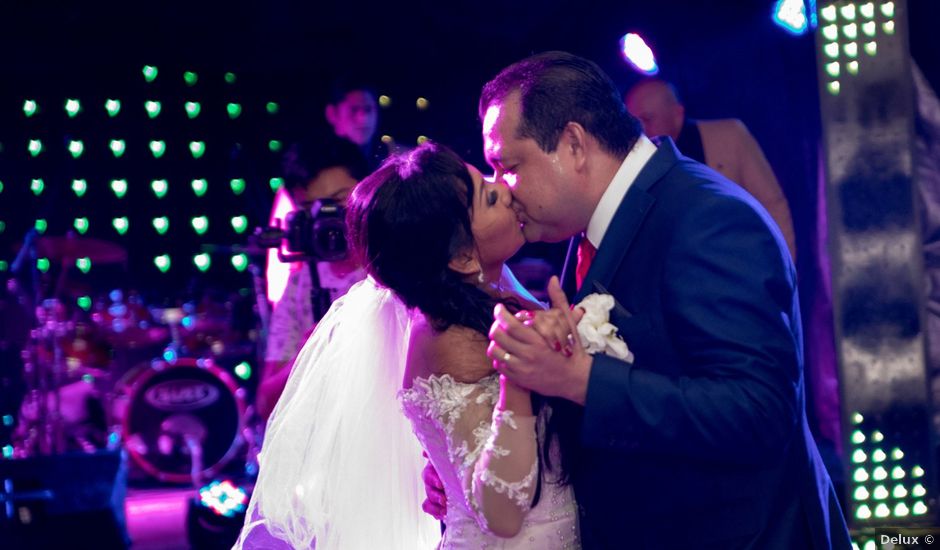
(495,453)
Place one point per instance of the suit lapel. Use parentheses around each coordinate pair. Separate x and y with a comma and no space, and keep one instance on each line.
(628,219)
(568,281)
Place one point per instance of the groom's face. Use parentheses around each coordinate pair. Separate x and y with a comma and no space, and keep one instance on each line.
(536,179)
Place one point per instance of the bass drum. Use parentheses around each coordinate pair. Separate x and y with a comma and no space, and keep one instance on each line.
(182,420)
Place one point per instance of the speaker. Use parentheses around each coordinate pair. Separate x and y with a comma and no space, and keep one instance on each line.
(71,500)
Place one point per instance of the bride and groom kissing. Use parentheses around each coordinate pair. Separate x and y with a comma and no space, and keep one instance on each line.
(695,439)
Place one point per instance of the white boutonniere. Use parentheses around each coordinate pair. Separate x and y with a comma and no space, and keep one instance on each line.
(598,334)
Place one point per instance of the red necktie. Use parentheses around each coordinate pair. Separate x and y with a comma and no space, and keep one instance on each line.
(586,252)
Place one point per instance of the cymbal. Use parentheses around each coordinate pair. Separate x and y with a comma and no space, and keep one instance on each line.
(71,248)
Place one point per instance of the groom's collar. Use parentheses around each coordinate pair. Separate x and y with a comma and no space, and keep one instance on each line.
(604,212)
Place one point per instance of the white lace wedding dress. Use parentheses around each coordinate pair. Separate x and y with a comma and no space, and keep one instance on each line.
(478,450)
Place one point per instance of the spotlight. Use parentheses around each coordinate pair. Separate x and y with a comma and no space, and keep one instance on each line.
(790,15)
(638,54)
(215,517)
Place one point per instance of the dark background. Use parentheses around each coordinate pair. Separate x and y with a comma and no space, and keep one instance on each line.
(728,59)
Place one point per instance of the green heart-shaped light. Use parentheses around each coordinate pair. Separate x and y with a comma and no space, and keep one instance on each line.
(200,186)
(30,107)
(72,107)
(192,109)
(237,185)
(117,147)
(153,108)
(120,224)
(76,148)
(41,225)
(239,224)
(162,262)
(157,147)
(113,107)
(234,110)
(161,224)
(159,188)
(34,147)
(197,148)
(276,183)
(150,73)
(200,224)
(79,187)
(36,186)
(81,225)
(203,261)
(42,264)
(190,78)
(84,302)
(275,145)
(240,262)
(83,264)
(119,187)
(272,107)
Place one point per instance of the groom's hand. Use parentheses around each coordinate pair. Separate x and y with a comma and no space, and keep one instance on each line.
(436,502)
(520,353)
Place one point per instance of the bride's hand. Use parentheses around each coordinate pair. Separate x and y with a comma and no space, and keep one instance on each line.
(553,326)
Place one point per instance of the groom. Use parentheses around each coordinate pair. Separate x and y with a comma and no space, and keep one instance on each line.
(701,441)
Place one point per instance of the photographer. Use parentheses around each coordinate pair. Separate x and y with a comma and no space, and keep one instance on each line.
(313,171)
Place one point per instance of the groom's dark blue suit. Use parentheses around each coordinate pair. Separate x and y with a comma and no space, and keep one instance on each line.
(702,442)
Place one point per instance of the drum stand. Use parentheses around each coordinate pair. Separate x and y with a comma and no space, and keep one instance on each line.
(43,429)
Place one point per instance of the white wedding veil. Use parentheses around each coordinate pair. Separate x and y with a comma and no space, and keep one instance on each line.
(340,467)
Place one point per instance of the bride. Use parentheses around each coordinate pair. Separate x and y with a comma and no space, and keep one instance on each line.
(340,467)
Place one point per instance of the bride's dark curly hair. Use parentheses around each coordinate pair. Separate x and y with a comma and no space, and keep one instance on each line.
(406,221)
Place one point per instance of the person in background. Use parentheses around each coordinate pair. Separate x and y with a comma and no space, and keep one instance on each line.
(725,145)
(353,112)
(322,169)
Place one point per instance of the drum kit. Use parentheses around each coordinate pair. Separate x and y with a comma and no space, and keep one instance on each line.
(115,373)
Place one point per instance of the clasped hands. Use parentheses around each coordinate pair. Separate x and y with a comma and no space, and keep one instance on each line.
(541,350)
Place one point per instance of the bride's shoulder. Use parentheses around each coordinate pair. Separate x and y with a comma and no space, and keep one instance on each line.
(458,351)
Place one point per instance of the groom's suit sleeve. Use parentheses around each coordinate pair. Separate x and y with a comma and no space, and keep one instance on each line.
(728,300)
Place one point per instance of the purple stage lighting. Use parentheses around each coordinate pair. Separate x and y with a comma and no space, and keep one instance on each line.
(638,54)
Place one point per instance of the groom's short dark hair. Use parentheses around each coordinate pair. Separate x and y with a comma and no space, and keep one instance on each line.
(557,88)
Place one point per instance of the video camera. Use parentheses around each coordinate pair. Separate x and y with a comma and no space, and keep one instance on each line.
(317,234)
